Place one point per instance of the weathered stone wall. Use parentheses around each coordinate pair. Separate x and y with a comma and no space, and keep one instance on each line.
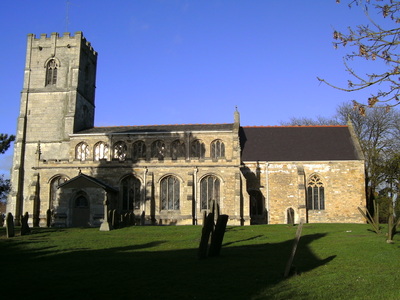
(284,184)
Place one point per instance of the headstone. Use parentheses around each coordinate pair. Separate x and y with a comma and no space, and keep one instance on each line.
(24,224)
(48,218)
(142,219)
(208,227)
(10,231)
(218,235)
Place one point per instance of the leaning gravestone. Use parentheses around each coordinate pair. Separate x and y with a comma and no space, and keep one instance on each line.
(24,224)
(208,227)
(218,236)
(10,225)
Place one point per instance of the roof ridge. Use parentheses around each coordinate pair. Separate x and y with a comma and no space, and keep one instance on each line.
(117,126)
(292,126)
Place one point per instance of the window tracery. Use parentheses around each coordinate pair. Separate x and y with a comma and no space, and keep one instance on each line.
(139,150)
(120,150)
(198,149)
(209,192)
(130,193)
(178,149)
(158,149)
(170,193)
(315,193)
(217,149)
(51,72)
(101,150)
(82,151)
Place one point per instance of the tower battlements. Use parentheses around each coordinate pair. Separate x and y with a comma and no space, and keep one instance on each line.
(66,40)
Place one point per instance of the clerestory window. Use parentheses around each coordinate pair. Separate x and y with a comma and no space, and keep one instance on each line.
(101,150)
(315,193)
(198,149)
(82,151)
(120,150)
(217,149)
(51,72)
(178,149)
(158,149)
(139,150)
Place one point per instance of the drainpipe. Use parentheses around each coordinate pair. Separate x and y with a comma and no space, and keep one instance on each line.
(195,194)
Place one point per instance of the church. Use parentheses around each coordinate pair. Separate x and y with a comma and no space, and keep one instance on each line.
(65,169)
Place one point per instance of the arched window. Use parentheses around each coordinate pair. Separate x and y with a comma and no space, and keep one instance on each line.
(120,150)
(178,149)
(315,193)
(217,149)
(82,151)
(198,149)
(130,186)
(170,193)
(100,151)
(54,184)
(209,192)
(158,149)
(51,72)
(139,150)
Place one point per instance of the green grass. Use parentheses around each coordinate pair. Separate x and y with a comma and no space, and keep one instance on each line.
(333,261)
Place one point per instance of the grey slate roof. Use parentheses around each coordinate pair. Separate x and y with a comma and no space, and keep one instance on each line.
(297,143)
(158,128)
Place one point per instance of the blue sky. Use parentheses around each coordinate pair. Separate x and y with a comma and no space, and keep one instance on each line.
(185,62)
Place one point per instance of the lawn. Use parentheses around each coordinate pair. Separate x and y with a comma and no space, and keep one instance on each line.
(333,261)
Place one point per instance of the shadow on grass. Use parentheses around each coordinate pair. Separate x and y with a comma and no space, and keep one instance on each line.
(140,272)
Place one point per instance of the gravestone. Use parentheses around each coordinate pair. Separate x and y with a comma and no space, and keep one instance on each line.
(24,224)
(218,236)
(10,230)
(208,227)
(48,218)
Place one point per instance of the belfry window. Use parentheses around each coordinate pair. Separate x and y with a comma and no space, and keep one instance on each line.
(198,149)
(82,151)
(209,192)
(130,193)
(51,72)
(217,149)
(100,151)
(120,150)
(170,189)
(315,193)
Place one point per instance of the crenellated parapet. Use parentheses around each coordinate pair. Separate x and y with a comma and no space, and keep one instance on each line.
(66,40)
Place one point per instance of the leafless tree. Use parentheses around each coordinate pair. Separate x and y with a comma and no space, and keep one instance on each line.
(377,42)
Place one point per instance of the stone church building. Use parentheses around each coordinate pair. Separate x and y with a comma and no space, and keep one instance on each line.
(65,168)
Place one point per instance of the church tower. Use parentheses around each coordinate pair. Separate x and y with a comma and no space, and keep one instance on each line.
(57,99)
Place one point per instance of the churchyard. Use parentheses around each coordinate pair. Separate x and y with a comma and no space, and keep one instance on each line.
(332,261)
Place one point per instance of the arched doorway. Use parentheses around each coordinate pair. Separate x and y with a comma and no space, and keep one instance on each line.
(257,209)
(290,216)
(80,211)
